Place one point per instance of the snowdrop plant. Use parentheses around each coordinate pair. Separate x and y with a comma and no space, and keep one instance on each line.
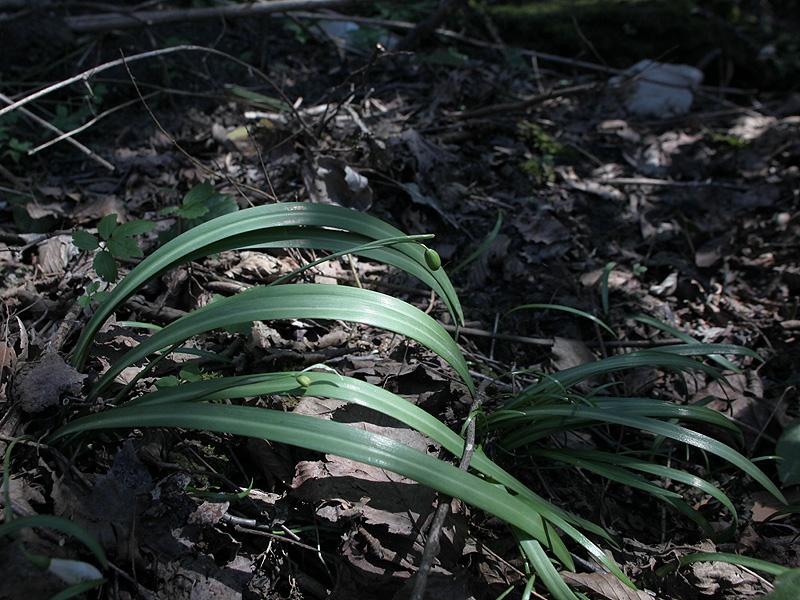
(537,412)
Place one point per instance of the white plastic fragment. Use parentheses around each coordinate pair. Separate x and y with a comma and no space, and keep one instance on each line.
(73,571)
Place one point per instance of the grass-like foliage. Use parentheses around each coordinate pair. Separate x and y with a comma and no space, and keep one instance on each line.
(528,422)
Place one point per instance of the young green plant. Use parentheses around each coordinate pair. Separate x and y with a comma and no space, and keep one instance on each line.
(115,242)
(538,523)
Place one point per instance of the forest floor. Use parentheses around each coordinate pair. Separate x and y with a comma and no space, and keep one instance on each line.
(694,218)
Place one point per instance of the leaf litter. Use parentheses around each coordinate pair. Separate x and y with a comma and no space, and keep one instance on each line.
(707,203)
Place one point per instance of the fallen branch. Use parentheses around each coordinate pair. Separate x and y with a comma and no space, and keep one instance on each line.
(104,22)
(85,76)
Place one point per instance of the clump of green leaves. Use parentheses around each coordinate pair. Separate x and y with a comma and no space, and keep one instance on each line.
(546,151)
(726,139)
(530,423)
(67,119)
(14,149)
(115,242)
(189,373)
(201,204)
(537,140)
(92,293)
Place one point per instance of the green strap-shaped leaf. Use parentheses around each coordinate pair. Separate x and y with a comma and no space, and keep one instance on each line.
(678,358)
(545,569)
(362,393)
(294,224)
(616,467)
(651,407)
(560,307)
(721,360)
(608,471)
(302,301)
(521,437)
(323,436)
(59,524)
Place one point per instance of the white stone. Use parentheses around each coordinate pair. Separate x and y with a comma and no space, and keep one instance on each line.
(655,89)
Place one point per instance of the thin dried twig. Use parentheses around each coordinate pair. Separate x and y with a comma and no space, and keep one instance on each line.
(175,143)
(508,107)
(85,76)
(432,545)
(68,134)
(88,152)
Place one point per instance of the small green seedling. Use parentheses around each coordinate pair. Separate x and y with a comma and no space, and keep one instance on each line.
(305,381)
(92,293)
(14,148)
(189,373)
(116,242)
(201,204)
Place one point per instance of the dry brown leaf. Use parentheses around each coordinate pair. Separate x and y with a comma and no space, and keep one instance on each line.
(209,513)
(100,207)
(40,384)
(605,584)
(332,181)
(570,353)
(349,489)
(259,266)
(8,357)
(22,494)
(55,253)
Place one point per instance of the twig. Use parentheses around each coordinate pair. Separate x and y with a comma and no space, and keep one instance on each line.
(432,545)
(471,331)
(85,76)
(446,33)
(507,107)
(61,134)
(669,182)
(173,141)
(104,22)
(498,336)
(68,135)
(69,320)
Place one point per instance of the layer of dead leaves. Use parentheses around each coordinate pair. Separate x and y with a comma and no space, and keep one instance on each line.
(700,213)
